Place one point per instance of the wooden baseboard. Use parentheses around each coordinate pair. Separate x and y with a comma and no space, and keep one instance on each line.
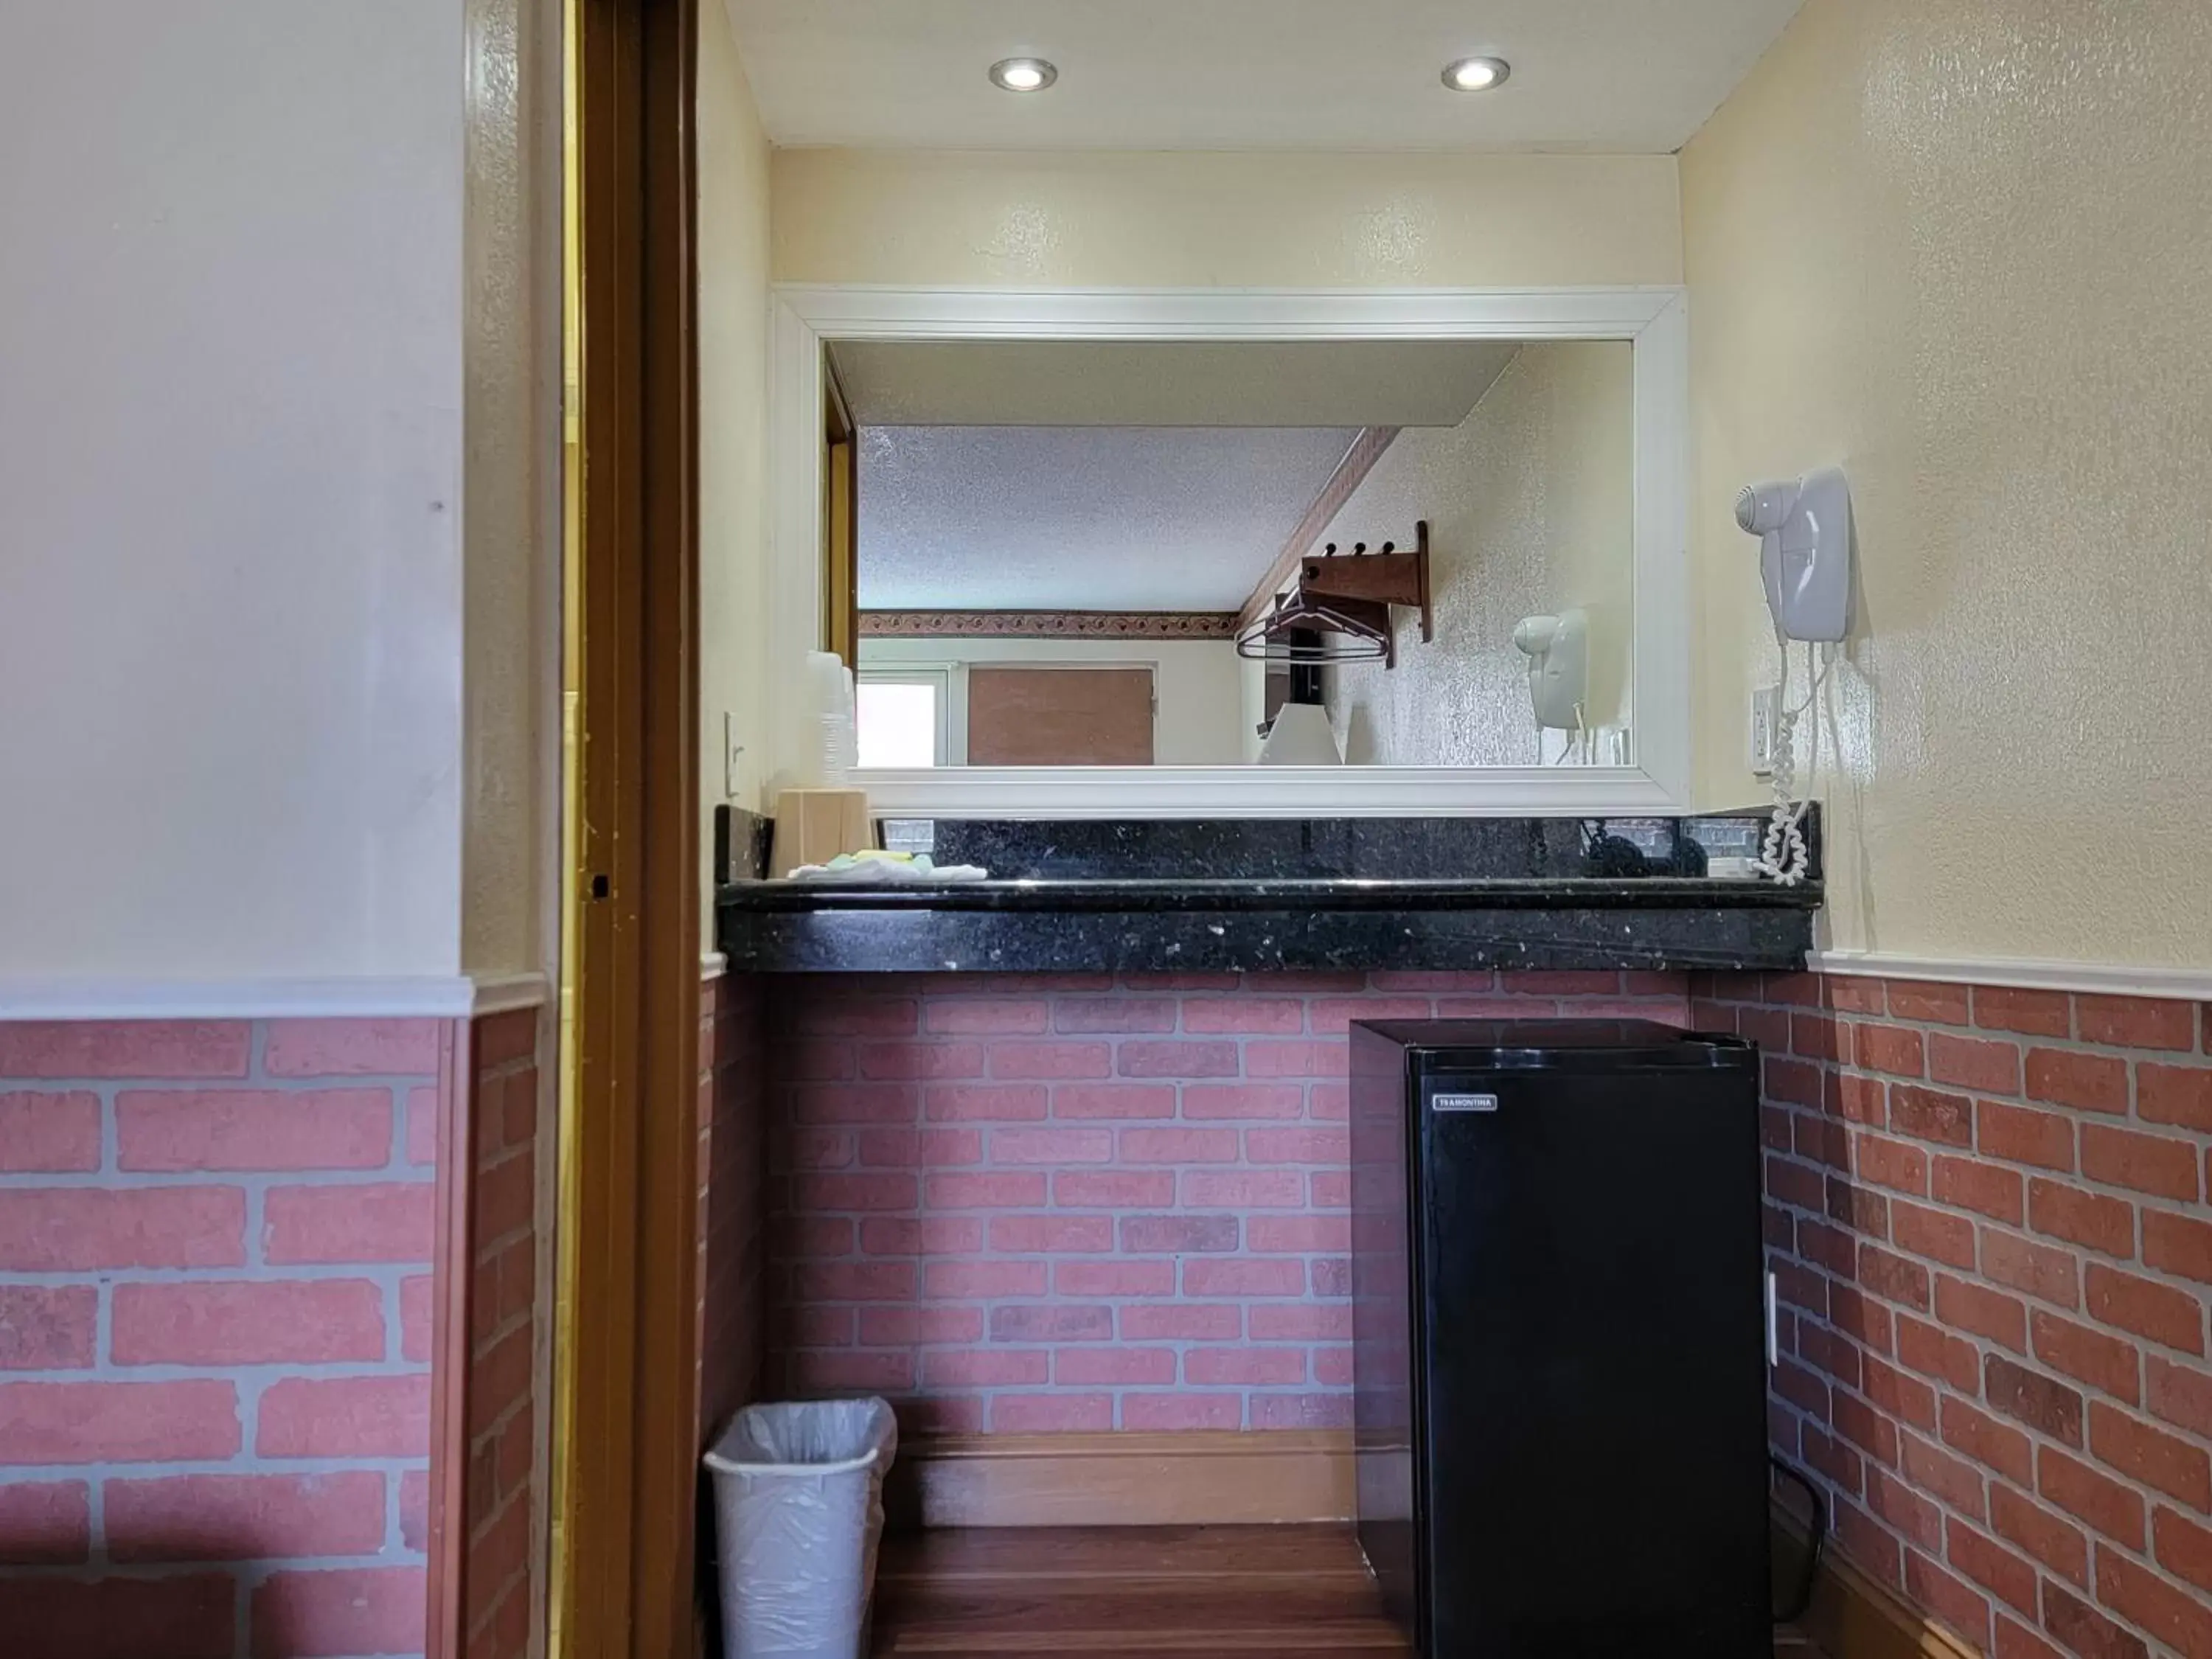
(1854,1616)
(1204,1478)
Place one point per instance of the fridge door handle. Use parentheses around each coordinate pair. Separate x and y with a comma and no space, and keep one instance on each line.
(1773,1323)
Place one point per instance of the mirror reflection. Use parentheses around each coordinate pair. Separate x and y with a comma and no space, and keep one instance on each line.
(1360,553)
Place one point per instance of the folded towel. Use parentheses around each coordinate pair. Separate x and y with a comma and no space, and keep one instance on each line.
(887,870)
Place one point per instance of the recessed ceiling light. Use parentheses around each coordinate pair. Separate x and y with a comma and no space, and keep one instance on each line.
(1023,74)
(1476,73)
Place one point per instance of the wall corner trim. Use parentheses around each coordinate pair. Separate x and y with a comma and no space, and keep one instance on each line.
(458,996)
(2187,984)
(712,965)
(499,993)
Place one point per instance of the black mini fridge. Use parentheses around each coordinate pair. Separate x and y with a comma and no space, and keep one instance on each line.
(1560,1324)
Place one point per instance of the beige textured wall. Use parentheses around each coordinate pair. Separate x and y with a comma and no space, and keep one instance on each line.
(511,552)
(733,241)
(1202,219)
(1962,247)
(1530,505)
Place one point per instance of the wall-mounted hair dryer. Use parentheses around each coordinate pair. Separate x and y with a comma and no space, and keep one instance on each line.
(1558,649)
(1804,532)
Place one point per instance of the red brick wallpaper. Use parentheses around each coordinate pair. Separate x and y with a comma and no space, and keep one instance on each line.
(506,1430)
(1020,1204)
(1988,1210)
(215,1243)
(733,1152)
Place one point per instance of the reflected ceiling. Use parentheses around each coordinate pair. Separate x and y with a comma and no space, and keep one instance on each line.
(1081,519)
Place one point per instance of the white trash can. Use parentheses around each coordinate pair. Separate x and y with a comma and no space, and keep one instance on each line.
(799,1512)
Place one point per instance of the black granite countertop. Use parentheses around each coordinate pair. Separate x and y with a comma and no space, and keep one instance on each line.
(1276,894)
(1082,893)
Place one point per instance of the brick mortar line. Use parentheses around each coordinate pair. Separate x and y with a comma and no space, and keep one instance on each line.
(491,1431)
(921,1390)
(103,1324)
(1097,1259)
(111,1131)
(2134,1265)
(274,1273)
(395,1541)
(1837,1494)
(507,1152)
(254,1570)
(2092,1116)
(525,1320)
(393,1306)
(496,1604)
(136,1180)
(2069,1042)
(320,1082)
(2037,1439)
(1181,1348)
(521,1494)
(248,1464)
(1987,1348)
(985,1393)
(2134,1197)
(257,1371)
(2093,1535)
(2010,1355)
(1094,1258)
(489,1249)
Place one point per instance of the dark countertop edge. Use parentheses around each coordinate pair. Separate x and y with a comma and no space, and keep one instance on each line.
(1579,893)
(1260,941)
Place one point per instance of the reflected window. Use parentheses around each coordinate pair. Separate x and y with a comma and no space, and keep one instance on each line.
(901,718)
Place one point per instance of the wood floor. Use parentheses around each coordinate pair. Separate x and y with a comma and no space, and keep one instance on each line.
(1137,1593)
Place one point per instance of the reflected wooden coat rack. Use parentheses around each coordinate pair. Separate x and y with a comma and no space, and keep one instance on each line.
(1347,598)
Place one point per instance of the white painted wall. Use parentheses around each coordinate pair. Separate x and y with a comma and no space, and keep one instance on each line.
(1199,682)
(733,604)
(231,646)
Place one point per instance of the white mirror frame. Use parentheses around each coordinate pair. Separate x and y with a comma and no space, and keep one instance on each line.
(1654,319)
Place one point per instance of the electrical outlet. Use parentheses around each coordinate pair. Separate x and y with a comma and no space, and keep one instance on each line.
(732,755)
(1765,708)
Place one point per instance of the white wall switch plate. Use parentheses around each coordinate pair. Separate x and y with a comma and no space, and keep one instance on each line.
(732,754)
(1765,708)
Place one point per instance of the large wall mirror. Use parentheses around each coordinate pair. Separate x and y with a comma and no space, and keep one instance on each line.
(1348,562)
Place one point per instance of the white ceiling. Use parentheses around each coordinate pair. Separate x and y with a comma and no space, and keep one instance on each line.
(1621,76)
(1056,517)
(1332,383)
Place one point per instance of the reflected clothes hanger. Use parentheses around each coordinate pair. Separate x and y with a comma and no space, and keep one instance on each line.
(1347,598)
(1352,630)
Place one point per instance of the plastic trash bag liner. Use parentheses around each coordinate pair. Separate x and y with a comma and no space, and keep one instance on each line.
(798,1509)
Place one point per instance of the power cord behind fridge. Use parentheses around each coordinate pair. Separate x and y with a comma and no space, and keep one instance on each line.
(1801,1597)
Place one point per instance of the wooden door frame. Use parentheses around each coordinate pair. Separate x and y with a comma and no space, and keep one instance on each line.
(624,1446)
(841,523)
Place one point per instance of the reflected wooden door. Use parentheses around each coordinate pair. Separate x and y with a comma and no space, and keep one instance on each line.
(1023,717)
